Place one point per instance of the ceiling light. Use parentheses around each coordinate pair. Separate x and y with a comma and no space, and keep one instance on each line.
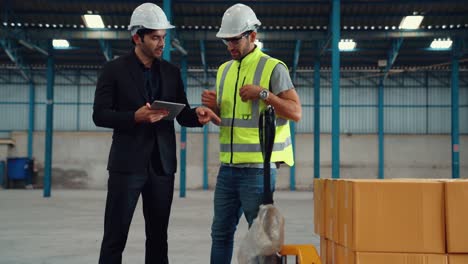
(411,22)
(93,21)
(346,45)
(60,43)
(441,44)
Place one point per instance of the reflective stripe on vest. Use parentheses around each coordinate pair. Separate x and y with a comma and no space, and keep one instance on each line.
(223,78)
(254,147)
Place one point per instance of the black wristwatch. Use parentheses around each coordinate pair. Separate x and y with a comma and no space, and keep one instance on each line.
(263,94)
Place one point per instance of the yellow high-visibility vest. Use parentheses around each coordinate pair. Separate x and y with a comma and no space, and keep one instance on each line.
(239,135)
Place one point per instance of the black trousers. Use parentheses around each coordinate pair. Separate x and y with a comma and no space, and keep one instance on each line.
(122,196)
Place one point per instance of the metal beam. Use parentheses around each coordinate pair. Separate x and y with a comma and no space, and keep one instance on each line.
(11,50)
(392,55)
(297,52)
(106,48)
(178,47)
(335,29)
(205,127)
(167,7)
(49,124)
(265,35)
(31,117)
(32,46)
(292,169)
(203,61)
(455,129)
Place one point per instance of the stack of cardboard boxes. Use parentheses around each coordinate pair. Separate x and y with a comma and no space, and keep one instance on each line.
(392,221)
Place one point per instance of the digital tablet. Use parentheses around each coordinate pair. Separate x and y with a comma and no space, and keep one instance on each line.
(173,108)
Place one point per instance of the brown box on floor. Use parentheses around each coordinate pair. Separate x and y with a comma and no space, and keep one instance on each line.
(331,210)
(323,249)
(456,215)
(319,207)
(392,216)
(457,258)
(347,256)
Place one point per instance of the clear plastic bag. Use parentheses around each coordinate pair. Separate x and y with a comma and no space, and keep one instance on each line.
(264,238)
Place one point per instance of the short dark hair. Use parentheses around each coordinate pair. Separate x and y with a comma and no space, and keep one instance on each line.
(142,32)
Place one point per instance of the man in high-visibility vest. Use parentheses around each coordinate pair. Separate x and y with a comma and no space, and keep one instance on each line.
(245,85)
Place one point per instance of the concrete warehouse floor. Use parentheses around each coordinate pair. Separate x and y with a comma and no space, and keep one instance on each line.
(67,228)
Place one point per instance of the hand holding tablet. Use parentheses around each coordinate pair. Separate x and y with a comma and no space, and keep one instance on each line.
(173,108)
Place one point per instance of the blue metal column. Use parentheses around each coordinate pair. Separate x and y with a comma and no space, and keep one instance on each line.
(205,156)
(456,53)
(335,22)
(292,169)
(32,98)
(380,117)
(183,136)
(317,118)
(49,124)
(167,7)
(205,127)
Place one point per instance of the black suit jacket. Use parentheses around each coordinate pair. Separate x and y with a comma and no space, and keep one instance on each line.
(119,93)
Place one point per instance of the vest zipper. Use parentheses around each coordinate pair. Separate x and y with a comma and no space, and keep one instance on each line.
(234,110)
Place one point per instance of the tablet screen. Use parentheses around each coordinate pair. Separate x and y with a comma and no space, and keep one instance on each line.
(173,108)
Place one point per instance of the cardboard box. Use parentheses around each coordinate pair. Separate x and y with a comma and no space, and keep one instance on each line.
(457,258)
(323,249)
(319,207)
(400,258)
(347,256)
(392,216)
(331,253)
(331,210)
(456,203)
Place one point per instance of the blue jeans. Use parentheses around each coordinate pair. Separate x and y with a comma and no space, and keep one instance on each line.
(238,190)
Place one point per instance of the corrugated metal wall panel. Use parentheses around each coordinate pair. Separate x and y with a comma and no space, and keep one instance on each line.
(358,120)
(13,93)
(403,97)
(14,107)
(405,120)
(440,120)
(65,117)
(14,117)
(464,120)
(40,114)
(415,102)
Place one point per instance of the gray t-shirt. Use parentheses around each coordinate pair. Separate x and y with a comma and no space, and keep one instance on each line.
(280,81)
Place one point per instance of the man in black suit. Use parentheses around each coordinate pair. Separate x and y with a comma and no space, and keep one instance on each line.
(142,158)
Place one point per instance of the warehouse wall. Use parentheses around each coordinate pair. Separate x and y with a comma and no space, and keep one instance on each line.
(80,158)
(414,102)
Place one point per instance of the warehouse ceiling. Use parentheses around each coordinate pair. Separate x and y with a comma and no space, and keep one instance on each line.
(289,29)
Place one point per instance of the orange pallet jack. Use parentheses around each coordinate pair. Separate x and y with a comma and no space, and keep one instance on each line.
(305,253)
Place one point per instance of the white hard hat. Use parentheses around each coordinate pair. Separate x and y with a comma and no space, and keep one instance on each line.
(237,19)
(148,15)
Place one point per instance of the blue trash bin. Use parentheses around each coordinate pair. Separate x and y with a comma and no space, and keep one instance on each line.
(2,174)
(18,168)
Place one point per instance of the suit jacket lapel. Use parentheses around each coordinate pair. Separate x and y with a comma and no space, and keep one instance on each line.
(137,75)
